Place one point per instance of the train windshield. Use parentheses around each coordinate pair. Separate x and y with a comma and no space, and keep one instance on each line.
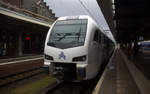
(68,33)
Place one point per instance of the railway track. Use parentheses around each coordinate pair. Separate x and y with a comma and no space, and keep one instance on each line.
(19,76)
(66,88)
(19,69)
(85,87)
(14,72)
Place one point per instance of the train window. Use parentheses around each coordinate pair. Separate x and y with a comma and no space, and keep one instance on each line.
(68,33)
(99,39)
(96,36)
(102,39)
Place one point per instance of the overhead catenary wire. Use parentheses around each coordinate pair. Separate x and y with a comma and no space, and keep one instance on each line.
(86,6)
(88,11)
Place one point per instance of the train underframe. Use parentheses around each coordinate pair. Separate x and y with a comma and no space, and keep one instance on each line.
(68,71)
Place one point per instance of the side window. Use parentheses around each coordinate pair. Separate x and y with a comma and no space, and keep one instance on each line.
(102,40)
(95,36)
(99,37)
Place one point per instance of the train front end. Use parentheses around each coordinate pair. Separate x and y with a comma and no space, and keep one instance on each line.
(65,50)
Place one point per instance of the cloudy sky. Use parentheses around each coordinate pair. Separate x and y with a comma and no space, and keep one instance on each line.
(74,7)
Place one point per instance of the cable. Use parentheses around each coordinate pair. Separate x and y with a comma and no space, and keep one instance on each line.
(88,11)
(86,8)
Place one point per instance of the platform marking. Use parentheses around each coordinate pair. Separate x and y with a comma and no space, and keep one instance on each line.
(20,61)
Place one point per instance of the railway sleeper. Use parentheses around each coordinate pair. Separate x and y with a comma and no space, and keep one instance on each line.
(17,77)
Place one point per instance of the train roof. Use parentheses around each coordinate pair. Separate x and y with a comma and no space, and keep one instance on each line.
(75,17)
(145,43)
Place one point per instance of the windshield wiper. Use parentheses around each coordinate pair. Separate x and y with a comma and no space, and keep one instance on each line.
(66,34)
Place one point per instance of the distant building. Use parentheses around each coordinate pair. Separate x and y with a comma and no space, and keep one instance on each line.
(36,6)
(39,7)
(23,28)
(17,3)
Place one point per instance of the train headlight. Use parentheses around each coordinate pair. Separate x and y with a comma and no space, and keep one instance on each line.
(49,57)
(80,58)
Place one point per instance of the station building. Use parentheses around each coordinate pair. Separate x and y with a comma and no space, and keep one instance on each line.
(23,28)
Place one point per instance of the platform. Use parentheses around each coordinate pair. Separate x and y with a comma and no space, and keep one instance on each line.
(142,62)
(124,76)
(14,59)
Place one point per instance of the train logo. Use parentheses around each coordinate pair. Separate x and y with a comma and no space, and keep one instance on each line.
(62,55)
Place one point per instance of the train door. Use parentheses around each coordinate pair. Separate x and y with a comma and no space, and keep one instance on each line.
(94,50)
(105,48)
(100,50)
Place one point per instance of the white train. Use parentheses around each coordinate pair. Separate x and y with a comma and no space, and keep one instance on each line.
(75,48)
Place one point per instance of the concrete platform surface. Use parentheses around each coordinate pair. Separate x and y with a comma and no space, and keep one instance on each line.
(117,78)
(142,62)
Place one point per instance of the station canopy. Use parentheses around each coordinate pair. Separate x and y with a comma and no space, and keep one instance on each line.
(22,22)
(131,17)
(132,20)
